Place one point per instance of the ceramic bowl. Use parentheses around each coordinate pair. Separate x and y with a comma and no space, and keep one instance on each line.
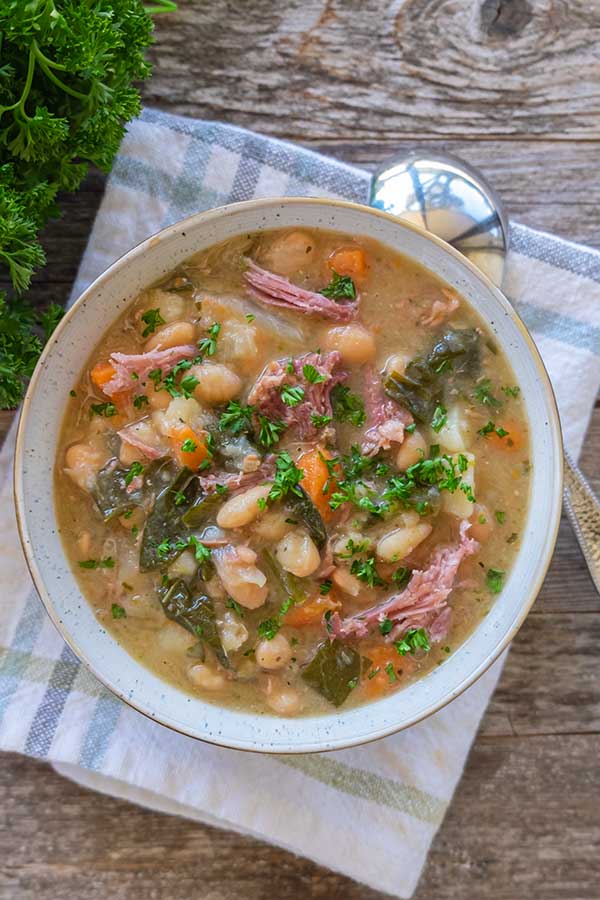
(58,370)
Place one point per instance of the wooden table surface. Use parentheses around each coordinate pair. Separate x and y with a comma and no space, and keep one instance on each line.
(511,86)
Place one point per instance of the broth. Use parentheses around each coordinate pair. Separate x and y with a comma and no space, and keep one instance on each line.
(294,474)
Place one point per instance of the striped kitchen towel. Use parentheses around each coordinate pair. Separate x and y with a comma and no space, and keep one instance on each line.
(317,806)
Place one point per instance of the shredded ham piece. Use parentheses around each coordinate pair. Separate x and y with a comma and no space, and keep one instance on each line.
(129,437)
(422,604)
(386,420)
(266,393)
(142,364)
(440,310)
(275,290)
(235,481)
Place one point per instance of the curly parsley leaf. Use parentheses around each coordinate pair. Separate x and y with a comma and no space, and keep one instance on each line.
(341,287)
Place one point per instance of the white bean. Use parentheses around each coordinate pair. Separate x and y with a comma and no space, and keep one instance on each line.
(412,449)
(397,544)
(285,701)
(240,576)
(170,306)
(216,383)
(82,464)
(274,654)
(243,508)
(272,526)
(298,554)
(355,343)
(205,677)
(233,632)
(289,253)
(347,582)
(171,335)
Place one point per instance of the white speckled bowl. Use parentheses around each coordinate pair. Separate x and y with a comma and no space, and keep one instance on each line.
(59,369)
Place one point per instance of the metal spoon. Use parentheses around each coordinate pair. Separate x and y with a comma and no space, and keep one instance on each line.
(452,200)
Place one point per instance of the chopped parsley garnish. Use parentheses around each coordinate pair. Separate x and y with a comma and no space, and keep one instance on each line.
(402,576)
(140,400)
(312,375)
(135,376)
(135,531)
(235,606)
(511,391)
(106,563)
(292,396)
(325,586)
(410,429)
(250,317)
(151,319)
(189,446)
(320,421)
(236,418)
(103,409)
(221,489)
(163,549)
(135,469)
(365,571)
(353,682)
(512,538)
(495,579)
(118,612)
(500,516)
(179,498)
(208,345)
(491,427)
(341,287)
(483,394)
(200,550)
(440,417)
(155,377)
(289,367)
(128,514)
(285,607)
(353,548)
(268,629)
(269,432)
(374,673)
(481,519)
(414,639)
(390,673)
(287,477)
(347,407)
(72,393)
(386,626)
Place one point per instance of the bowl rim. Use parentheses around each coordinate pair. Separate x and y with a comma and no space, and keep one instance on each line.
(206,216)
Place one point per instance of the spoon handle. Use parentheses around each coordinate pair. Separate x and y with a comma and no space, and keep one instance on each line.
(583,511)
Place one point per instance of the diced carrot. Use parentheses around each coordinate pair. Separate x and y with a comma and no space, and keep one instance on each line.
(312,611)
(383,679)
(100,375)
(349,261)
(514,440)
(317,482)
(190,458)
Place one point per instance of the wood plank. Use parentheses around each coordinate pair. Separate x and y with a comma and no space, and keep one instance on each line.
(414,69)
(523,823)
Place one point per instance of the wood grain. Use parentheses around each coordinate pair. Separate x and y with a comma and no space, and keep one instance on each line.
(511,86)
